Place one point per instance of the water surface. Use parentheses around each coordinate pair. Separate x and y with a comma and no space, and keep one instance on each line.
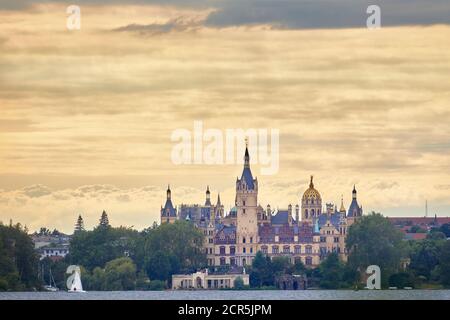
(234,295)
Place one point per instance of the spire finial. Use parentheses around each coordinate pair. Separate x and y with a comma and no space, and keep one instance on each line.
(247,155)
(169,193)
(311,183)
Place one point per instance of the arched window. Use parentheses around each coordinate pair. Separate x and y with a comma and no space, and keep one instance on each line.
(222,250)
(308,261)
(243,240)
(222,261)
(312,212)
(306,213)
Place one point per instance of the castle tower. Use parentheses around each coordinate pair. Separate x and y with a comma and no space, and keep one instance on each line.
(342,210)
(290,214)
(246,225)
(311,203)
(208,197)
(354,211)
(168,212)
(219,208)
(297,214)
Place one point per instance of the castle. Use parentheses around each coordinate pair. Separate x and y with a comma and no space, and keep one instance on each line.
(235,238)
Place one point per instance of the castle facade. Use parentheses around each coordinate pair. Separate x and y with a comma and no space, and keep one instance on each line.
(307,233)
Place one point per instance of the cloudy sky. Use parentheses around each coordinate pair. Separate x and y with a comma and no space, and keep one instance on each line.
(86,116)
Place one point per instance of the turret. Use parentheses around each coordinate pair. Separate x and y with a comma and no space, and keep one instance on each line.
(290,214)
(208,197)
(169,193)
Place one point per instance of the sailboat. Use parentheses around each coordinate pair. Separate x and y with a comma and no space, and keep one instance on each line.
(52,284)
(76,285)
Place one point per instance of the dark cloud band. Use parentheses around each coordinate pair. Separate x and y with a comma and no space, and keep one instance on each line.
(291,14)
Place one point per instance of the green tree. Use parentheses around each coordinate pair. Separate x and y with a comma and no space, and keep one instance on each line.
(281,265)
(401,280)
(373,240)
(239,283)
(261,271)
(331,272)
(18,259)
(444,264)
(445,229)
(95,248)
(173,248)
(104,221)
(424,257)
(97,279)
(120,274)
(417,229)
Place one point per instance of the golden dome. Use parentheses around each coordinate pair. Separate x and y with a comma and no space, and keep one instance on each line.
(311,192)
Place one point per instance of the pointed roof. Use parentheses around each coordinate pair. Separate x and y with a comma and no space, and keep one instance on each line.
(354,210)
(168,210)
(218,200)
(247,173)
(208,197)
(342,205)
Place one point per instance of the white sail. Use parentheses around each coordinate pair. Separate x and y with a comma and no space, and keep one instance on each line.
(76,284)
(74,281)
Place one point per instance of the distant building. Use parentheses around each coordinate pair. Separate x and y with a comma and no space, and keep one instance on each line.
(306,233)
(54,253)
(417,228)
(53,239)
(205,280)
(291,282)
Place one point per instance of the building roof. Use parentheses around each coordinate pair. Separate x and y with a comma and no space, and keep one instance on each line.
(225,234)
(419,220)
(248,178)
(282,217)
(311,192)
(415,236)
(334,218)
(169,210)
(354,210)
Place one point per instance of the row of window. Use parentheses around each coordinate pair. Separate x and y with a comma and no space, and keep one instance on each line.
(308,261)
(312,213)
(287,249)
(324,239)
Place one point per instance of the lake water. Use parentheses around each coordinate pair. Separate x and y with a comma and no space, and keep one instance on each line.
(234,295)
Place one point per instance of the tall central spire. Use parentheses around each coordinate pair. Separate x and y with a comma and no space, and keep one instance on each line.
(247,155)
(169,193)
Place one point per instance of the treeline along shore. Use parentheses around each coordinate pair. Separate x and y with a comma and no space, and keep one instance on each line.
(114,259)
